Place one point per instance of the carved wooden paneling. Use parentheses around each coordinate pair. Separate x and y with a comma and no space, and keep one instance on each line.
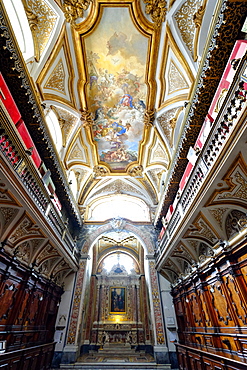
(8,295)
(220,305)
(237,301)
(191,358)
(31,358)
(28,310)
(214,300)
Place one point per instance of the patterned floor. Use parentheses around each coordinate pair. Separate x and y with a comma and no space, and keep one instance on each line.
(97,357)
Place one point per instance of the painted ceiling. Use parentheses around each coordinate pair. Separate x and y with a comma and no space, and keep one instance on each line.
(117,75)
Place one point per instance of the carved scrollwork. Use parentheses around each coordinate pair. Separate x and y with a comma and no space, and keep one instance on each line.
(100,171)
(74,9)
(148,118)
(198,16)
(157,10)
(136,171)
(86,118)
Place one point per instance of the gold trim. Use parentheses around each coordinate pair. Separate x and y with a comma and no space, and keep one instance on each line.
(171,43)
(158,137)
(62,42)
(74,10)
(157,10)
(175,99)
(198,18)
(171,4)
(77,136)
(33,22)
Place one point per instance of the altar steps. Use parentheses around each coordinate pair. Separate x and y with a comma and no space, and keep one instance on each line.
(114,357)
(114,366)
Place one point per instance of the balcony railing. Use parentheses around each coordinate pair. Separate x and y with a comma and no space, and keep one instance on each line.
(224,125)
(13,150)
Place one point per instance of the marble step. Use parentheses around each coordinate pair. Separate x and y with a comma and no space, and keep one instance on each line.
(115,366)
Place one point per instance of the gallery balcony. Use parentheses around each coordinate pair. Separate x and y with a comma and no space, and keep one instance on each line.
(224,137)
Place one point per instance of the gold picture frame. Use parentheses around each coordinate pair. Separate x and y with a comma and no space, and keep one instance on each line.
(117,300)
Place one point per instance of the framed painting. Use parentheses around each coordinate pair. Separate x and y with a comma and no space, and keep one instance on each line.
(117,300)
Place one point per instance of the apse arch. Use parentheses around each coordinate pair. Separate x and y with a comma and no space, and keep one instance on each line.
(141,233)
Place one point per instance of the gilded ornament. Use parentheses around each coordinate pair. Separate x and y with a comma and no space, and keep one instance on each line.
(148,118)
(86,118)
(198,16)
(67,122)
(119,187)
(42,20)
(168,123)
(157,10)
(76,153)
(185,21)
(100,171)
(176,80)
(136,171)
(57,79)
(74,9)
(32,19)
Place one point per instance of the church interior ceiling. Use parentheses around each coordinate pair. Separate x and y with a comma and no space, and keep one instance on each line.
(116,76)
(125,87)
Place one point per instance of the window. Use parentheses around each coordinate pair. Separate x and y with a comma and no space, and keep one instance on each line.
(124,206)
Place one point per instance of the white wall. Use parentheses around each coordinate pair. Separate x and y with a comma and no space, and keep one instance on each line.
(170,322)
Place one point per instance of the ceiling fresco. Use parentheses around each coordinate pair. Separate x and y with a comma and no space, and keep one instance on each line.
(116,58)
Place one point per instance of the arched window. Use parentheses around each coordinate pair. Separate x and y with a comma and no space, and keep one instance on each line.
(20,26)
(73,183)
(55,130)
(124,206)
(118,261)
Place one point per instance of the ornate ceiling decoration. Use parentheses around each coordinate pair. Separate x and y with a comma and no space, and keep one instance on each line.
(42,20)
(110,66)
(55,82)
(189,19)
(74,9)
(167,121)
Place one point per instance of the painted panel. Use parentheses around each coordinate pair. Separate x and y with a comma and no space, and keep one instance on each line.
(116,55)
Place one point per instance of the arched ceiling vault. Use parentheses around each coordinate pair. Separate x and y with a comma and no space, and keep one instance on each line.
(116,74)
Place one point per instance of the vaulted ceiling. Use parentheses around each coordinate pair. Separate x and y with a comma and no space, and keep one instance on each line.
(114,78)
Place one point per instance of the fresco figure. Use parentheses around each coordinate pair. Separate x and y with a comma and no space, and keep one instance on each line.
(126,101)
